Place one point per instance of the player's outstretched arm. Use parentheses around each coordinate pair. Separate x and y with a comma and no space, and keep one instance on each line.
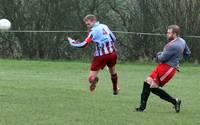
(77,44)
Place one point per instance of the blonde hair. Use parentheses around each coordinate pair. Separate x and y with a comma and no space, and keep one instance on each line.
(89,17)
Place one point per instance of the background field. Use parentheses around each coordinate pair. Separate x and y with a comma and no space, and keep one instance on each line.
(56,93)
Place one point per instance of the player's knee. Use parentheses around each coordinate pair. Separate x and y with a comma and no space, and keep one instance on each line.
(112,70)
(152,83)
(91,79)
(114,75)
(149,80)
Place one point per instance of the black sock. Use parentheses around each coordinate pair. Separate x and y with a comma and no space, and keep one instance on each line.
(163,95)
(145,95)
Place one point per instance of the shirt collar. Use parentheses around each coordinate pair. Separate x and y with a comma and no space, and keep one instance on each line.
(96,24)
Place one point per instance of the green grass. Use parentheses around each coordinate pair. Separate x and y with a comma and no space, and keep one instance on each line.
(57,93)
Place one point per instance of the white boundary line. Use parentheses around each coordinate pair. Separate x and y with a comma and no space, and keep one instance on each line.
(120,32)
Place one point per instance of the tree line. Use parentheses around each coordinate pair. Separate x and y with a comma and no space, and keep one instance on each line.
(143,16)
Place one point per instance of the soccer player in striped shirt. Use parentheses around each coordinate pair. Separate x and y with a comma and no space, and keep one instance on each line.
(169,59)
(105,51)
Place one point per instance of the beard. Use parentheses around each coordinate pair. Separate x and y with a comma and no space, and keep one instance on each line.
(171,38)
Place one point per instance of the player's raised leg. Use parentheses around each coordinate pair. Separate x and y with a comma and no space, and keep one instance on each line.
(93,79)
(96,65)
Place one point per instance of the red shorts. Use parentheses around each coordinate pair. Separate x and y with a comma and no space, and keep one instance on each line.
(162,74)
(99,62)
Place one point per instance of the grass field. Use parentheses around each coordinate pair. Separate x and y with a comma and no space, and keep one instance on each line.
(56,93)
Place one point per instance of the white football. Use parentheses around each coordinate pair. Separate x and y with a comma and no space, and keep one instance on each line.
(5,24)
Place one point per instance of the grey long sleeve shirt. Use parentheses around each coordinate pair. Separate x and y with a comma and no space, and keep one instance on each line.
(173,52)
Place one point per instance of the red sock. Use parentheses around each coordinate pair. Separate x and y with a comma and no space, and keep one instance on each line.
(114,79)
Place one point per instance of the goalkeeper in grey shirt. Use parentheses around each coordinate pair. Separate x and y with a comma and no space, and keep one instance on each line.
(168,59)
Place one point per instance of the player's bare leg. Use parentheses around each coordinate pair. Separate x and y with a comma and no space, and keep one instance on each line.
(93,79)
(114,79)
